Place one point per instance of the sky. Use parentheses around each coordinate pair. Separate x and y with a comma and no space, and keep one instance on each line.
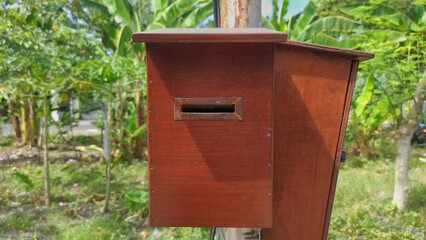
(294,7)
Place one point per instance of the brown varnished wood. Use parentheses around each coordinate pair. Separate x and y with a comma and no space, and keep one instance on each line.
(210,173)
(309,98)
(349,94)
(214,168)
(353,54)
(209,35)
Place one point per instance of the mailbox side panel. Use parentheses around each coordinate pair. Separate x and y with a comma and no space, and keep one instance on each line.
(202,171)
(349,94)
(309,98)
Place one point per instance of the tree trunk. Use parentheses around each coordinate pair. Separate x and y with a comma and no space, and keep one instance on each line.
(46,155)
(76,112)
(240,14)
(401,171)
(107,156)
(406,131)
(30,126)
(121,133)
(35,123)
(139,143)
(26,122)
(16,124)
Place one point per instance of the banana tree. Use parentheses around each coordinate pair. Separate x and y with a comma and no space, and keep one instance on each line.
(396,33)
(399,71)
(122,19)
(307,26)
(41,44)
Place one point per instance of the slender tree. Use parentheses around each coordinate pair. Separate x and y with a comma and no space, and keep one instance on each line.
(398,73)
(42,41)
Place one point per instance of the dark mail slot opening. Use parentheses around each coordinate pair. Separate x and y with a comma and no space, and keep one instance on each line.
(208,108)
(229,108)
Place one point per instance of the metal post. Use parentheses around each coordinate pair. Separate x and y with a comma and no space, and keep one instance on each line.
(239,14)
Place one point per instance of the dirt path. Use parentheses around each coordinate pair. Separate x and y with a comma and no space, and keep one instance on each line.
(84,127)
(57,152)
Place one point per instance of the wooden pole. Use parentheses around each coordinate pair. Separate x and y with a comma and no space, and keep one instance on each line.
(239,14)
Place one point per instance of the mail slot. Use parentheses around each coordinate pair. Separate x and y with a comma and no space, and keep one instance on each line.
(245,129)
(222,108)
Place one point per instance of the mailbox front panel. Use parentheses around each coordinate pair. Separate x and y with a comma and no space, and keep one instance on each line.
(210,134)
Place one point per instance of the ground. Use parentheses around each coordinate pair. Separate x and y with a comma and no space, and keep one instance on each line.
(78,192)
(362,207)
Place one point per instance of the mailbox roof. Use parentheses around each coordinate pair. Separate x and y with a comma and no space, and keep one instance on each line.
(354,54)
(209,35)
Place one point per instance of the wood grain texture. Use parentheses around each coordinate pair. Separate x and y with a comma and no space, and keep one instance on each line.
(349,94)
(309,98)
(209,35)
(210,173)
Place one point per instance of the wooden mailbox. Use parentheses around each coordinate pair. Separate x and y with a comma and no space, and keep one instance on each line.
(245,129)
(210,126)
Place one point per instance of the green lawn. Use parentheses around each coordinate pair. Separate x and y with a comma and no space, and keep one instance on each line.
(77,194)
(362,208)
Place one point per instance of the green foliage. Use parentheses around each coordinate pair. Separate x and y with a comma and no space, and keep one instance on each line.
(86,140)
(76,199)
(361,207)
(364,97)
(382,14)
(24,179)
(137,200)
(18,222)
(100,228)
(179,233)
(417,200)
(380,222)
(307,26)
(125,17)
(42,37)
(277,20)
(396,35)
(5,141)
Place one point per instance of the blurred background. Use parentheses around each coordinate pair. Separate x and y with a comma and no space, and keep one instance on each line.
(72,114)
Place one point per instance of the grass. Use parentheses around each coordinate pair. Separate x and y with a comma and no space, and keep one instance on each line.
(18,222)
(5,141)
(100,227)
(363,210)
(362,207)
(78,194)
